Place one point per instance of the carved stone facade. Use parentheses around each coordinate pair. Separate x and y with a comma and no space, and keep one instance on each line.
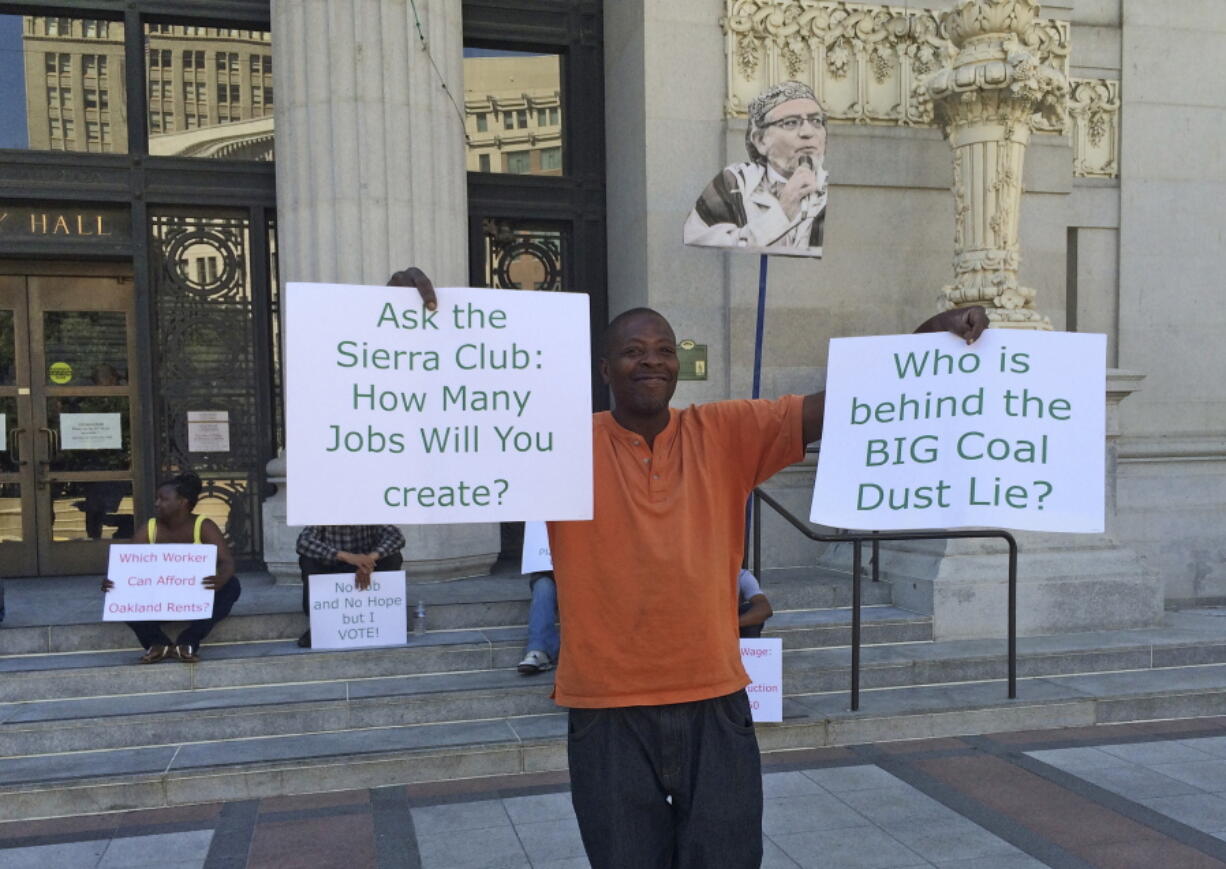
(1094,111)
(864,61)
(867,64)
(984,103)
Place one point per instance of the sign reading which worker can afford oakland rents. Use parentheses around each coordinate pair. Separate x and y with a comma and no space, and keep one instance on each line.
(479,411)
(159,582)
(924,431)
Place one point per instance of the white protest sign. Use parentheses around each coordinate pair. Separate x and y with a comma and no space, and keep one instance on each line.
(763,660)
(159,582)
(924,431)
(90,431)
(477,412)
(536,555)
(345,617)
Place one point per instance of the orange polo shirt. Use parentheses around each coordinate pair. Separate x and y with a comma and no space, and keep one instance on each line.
(647,589)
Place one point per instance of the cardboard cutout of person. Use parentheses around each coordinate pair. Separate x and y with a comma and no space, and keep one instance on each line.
(776,202)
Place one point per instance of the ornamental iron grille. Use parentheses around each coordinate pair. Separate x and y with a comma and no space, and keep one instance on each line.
(524,255)
(204,359)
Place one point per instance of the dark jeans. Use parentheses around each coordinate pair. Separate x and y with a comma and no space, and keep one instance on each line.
(151,633)
(625,762)
(310,566)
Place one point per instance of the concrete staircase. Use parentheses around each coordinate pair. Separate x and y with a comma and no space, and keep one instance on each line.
(82,729)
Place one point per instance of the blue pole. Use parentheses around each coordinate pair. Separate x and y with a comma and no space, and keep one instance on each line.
(757,376)
(757,346)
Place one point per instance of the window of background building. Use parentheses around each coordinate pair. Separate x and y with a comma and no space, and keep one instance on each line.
(56,86)
(498,83)
(226,80)
(518,162)
(551,160)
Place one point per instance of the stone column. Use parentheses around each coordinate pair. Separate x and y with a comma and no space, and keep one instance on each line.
(1066,582)
(984,103)
(370,179)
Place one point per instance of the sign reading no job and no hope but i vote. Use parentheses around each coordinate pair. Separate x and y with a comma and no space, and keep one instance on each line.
(479,411)
(924,431)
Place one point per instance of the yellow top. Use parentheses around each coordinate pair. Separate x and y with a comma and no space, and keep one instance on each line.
(153,530)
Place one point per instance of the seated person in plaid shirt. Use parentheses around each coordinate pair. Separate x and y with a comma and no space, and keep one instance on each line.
(357,549)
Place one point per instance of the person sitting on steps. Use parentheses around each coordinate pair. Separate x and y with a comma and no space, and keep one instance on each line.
(543,637)
(357,549)
(174,522)
(753,608)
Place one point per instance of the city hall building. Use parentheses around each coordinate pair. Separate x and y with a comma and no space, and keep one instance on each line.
(166,167)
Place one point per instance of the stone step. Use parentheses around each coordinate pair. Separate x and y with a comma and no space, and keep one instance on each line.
(1188,639)
(36,786)
(880,624)
(61,614)
(280,662)
(158,716)
(52,677)
(200,701)
(172,717)
(230,665)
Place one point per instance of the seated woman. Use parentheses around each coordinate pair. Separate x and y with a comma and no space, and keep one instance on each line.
(174,522)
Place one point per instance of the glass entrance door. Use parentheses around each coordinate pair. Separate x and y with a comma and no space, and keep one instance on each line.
(67,400)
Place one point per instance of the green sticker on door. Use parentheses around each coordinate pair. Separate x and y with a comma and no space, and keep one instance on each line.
(60,372)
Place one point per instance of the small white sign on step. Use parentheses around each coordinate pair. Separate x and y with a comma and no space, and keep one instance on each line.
(763,660)
(536,555)
(346,617)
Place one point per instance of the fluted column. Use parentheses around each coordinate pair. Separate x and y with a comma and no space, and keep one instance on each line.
(370,179)
(985,103)
(370,147)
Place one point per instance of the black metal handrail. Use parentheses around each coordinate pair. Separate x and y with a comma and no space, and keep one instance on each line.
(875,537)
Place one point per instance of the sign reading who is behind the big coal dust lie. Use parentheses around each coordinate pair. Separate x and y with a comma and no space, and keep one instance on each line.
(479,411)
(924,431)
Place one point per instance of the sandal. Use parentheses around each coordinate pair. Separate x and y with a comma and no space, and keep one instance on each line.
(154,654)
(186,654)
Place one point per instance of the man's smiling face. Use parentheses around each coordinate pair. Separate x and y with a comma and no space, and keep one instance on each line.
(640,365)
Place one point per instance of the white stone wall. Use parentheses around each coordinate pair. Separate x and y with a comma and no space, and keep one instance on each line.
(1172,294)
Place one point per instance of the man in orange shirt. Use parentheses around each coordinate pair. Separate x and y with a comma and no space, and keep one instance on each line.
(664,764)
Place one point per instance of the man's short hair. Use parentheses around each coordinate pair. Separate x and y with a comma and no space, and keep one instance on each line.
(616,323)
(761,105)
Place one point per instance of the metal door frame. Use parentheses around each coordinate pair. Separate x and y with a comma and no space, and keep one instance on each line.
(20,558)
(42,555)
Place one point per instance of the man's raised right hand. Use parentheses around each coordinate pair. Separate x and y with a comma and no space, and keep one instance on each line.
(415,277)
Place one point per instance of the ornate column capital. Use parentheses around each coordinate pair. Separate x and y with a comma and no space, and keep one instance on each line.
(986,104)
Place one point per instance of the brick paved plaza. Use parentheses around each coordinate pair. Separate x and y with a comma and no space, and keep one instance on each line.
(1136,795)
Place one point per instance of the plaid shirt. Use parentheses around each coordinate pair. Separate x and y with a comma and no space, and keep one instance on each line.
(323,542)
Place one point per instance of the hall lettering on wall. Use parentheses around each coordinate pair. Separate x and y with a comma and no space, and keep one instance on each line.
(24,222)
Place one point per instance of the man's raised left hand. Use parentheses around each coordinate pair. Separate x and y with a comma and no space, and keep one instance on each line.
(967,323)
